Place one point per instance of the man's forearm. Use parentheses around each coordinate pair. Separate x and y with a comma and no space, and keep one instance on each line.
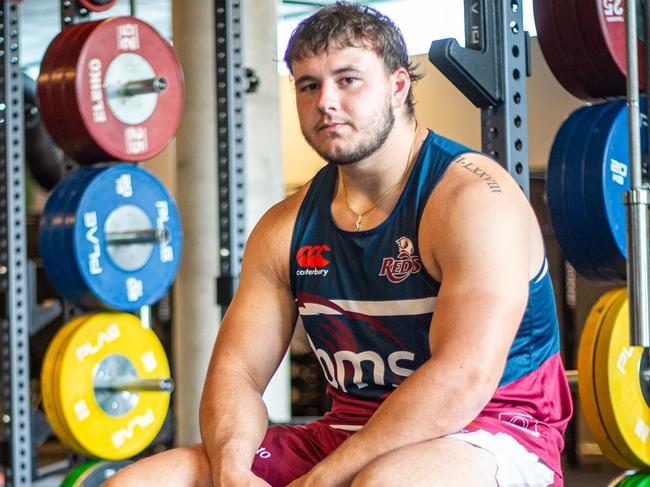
(409,415)
(233,421)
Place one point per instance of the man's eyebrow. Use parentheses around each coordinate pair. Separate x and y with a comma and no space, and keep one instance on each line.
(342,70)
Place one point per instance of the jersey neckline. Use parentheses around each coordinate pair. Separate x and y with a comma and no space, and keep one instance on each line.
(396,208)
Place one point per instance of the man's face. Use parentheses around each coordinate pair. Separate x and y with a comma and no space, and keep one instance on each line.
(344,100)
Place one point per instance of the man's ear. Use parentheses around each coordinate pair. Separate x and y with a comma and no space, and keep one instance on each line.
(401,83)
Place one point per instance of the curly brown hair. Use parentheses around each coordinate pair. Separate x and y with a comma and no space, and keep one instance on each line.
(345,24)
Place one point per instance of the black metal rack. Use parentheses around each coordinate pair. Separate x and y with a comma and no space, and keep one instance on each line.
(230,145)
(15,319)
(491,72)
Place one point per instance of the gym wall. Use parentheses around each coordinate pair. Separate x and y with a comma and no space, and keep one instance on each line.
(441,107)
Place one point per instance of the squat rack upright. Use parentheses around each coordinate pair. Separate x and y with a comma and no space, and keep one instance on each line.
(491,72)
(15,316)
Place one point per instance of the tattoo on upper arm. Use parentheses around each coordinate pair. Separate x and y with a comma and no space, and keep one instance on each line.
(474,169)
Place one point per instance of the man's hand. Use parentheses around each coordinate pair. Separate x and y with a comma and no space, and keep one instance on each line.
(245,479)
(313,478)
(301,482)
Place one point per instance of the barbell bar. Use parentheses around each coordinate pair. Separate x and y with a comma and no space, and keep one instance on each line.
(148,236)
(154,85)
(137,385)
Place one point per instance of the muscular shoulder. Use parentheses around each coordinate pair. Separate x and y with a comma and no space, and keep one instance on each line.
(474,179)
(476,199)
(269,244)
(479,174)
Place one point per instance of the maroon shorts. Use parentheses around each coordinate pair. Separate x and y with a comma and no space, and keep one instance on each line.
(289,452)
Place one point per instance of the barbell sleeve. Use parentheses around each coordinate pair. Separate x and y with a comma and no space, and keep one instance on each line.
(138,385)
(148,236)
(138,87)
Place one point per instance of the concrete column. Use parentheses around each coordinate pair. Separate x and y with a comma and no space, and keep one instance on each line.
(263,166)
(196,315)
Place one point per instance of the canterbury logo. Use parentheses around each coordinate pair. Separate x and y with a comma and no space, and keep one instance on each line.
(397,270)
(311,256)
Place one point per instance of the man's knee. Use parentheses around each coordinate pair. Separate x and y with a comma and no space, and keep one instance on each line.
(374,474)
(180,466)
(440,462)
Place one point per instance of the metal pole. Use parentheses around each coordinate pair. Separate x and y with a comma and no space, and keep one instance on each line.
(636,199)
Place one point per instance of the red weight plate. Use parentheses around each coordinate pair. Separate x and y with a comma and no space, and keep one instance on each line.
(111,138)
(97,5)
(64,99)
(603,29)
(51,71)
(549,42)
(575,51)
(77,141)
(56,67)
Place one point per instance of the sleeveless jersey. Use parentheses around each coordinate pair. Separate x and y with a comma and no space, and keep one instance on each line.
(366,303)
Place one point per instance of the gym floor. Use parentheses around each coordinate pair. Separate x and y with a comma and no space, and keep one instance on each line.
(592,472)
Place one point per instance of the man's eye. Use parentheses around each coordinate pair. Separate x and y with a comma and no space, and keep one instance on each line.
(309,88)
(349,80)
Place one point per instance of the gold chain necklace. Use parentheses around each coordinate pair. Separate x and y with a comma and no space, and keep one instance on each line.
(385,193)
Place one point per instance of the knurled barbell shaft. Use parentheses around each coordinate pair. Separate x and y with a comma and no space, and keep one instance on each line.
(148,236)
(138,87)
(138,385)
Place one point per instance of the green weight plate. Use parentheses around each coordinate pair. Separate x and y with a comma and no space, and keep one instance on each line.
(71,480)
(641,479)
(104,470)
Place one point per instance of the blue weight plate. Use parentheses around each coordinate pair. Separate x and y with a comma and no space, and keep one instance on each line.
(56,260)
(75,287)
(594,163)
(606,179)
(555,190)
(51,212)
(109,189)
(599,262)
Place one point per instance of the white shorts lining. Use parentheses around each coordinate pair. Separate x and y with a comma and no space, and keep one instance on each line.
(516,466)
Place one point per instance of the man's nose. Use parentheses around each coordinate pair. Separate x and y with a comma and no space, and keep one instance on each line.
(329,97)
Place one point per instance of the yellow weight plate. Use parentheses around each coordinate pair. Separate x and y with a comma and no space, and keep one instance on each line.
(111,338)
(73,443)
(586,388)
(50,405)
(625,413)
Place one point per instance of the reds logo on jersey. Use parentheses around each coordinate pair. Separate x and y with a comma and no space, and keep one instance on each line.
(397,270)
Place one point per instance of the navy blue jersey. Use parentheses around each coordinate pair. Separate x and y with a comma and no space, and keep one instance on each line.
(366,303)
(364,298)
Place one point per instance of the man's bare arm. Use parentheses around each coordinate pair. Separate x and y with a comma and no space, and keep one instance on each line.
(253,339)
(484,258)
